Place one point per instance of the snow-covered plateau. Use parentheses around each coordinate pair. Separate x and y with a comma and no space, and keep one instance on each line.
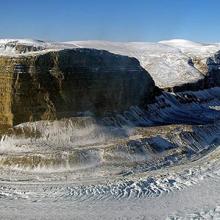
(157,162)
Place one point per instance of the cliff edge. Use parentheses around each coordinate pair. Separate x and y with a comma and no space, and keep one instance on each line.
(70,82)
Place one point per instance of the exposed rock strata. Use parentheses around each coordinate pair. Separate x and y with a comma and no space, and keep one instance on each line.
(67,83)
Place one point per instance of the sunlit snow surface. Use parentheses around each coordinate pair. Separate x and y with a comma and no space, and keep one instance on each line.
(159,163)
(10,47)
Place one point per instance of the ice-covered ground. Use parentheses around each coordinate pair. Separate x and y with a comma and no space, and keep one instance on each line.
(188,191)
(117,167)
(192,48)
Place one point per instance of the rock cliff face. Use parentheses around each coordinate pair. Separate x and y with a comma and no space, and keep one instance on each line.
(213,65)
(69,82)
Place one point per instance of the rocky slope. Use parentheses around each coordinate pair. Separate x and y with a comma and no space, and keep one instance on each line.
(48,80)
(65,83)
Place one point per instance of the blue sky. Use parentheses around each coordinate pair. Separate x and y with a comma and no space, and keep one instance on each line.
(116,20)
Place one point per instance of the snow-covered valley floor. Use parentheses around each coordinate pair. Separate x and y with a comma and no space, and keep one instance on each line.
(143,164)
(191,192)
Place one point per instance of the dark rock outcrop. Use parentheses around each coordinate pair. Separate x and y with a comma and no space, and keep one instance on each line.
(213,76)
(67,83)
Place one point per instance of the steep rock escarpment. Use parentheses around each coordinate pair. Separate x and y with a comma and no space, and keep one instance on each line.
(68,83)
(213,64)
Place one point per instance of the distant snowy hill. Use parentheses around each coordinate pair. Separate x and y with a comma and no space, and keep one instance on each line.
(193,49)
(16,47)
(170,63)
